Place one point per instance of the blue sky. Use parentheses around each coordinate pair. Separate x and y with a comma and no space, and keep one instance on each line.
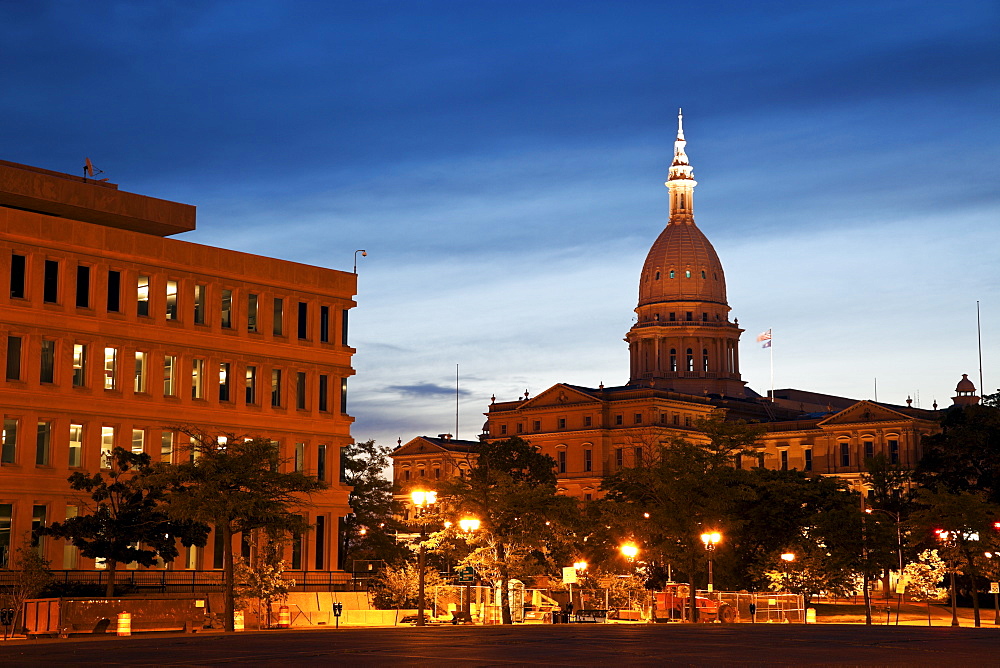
(502,163)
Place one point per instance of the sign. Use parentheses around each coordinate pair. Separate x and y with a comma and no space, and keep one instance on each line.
(466,575)
(995,587)
(7,616)
(569,575)
(338,608)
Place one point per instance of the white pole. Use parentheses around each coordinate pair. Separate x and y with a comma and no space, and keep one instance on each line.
(771,347)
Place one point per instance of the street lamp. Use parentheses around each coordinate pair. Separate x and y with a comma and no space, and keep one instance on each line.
(468,525)
(711,539)
(949,539)
(786,558)
(422,500)
(630,551)
(364,253)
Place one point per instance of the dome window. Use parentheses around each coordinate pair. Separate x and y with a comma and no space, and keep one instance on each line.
(687,274)
(671,273)
(690,360)
(703,274)
(657,276)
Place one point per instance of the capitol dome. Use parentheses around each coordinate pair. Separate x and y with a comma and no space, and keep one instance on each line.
(682,265)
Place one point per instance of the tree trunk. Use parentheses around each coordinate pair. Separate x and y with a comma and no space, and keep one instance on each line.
(229,623)
(693,591)
(109,590)
(505,616)
(868,599)
(975,596)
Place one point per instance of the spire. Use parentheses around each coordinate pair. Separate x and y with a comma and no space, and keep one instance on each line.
(681,181)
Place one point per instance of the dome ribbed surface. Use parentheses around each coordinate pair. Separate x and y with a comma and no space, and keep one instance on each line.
(682,248)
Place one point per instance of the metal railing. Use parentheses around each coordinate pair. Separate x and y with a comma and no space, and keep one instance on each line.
(193,581)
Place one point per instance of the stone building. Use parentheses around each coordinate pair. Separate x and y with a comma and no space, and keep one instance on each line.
(114,334)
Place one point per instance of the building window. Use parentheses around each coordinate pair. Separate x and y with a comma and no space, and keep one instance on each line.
(321,462)
(704,359)
(673,359)
(536,425)
(503,430)
(71,553)
(140,371)
(343,395)
(406,474)
(561,423)
(704,317)
(437,474)
(343,327)
(82,286)
(808,455)
(46,372)
(75,445)
(588,421)
(520,427)
(224,381)
(38,517)
(13,357)
(300,457)
(324,392)
(8,451)
(276,387)
(303,320)
(320,542)
(279,317)
(690,360)
(107,445)
(166,446)
(689,316)
(588,460)
(687,273)
(169,375)
(637,418)
(677,419)
(6,514)
(687,420)
(845,454)
(110,368)
(199,304)
(619,457)
(251,313)
(300,390)
(171,300)
(672,273)
(138,441)
(197,379)
(50,284)
(619,419)
(79,364)
(17,271)
(251,385)
(324,324)
(638,455)
(561,460)
(114,291)
(893,451)
(142,295)
(869,449)
(42,443)
(226,309)
(784,460)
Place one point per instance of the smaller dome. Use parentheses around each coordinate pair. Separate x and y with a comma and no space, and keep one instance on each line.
(965,385)
(965,392)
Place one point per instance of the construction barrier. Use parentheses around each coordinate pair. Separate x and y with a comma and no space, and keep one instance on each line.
(238,620)
(124,624)
(284,617)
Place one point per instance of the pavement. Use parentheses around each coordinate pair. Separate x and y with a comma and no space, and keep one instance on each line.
(551,645)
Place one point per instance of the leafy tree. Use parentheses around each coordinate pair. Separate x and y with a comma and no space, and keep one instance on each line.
(511,489)
(965,455)
(396,587)
(31,577)
(237,486)
(369,533)
(924,576)
(129,521)
(261,580)
(963,526)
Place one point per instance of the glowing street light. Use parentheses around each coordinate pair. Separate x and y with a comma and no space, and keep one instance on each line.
(468,524)
(630,551)
(711,539)
(422,500)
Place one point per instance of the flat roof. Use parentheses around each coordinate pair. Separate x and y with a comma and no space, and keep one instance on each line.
(99,202)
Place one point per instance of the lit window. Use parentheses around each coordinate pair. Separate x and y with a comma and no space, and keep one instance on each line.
(690,360)
(110,368)
(142,295)
(42,443)
(197,379)
(8,451)
(226,310)
(48,361)
(588,460)
(276,387)
(251,313)
(251,385)
(671,273)
(300,457)
(75,444)
(79,364)
(107,445)
(199,304)
(140,371)
(171,300)
(169,375)
(224,378)
(166,446)
(138,441)
(687,274)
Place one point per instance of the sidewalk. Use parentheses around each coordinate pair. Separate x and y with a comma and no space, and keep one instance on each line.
(910,614)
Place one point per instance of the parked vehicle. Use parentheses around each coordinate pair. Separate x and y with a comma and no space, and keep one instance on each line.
(674,602)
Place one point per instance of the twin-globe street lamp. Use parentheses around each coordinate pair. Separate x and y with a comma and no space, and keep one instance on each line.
(711,539)
(422,500)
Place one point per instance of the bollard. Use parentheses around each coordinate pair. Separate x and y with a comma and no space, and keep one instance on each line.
(284,617)
(124,624)
(238,620)
(810,615)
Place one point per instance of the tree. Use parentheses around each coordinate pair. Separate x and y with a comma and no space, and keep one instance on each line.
(396,586)
(369,532)
(32,575)
(923,576)
(965,455)
(511,489)
(237,486)
(129,521)
(261,580)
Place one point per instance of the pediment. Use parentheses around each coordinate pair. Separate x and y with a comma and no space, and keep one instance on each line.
(418,446)
(560,395)
(864,412)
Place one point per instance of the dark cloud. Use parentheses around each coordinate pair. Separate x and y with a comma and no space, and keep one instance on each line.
(426,390)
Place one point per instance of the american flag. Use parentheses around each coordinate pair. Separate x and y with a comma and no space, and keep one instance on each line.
(765,339)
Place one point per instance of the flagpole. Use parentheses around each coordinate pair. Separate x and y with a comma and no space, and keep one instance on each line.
(772,363)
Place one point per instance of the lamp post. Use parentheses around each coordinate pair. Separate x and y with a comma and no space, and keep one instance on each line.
(422,500)
(629,551)
(577,566)
(364,253)
(468,525)
(710,539)
(948,539)
(786,558)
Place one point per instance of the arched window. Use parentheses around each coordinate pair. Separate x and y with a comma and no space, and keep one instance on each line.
(671,273)
(703,274)
(687,274)
(673,359)
(690,359)
(657,276)
(704,359)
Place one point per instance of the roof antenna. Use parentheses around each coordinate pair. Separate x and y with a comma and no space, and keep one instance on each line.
(90,170)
